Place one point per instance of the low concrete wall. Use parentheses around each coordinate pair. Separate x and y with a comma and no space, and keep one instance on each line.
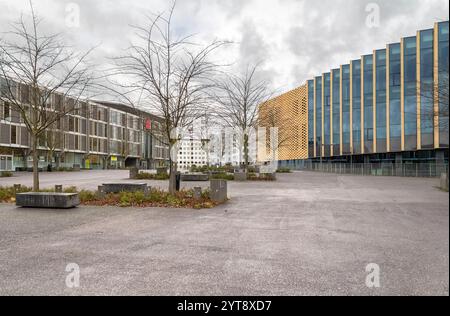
(124,187)
(47,200)
(194,177)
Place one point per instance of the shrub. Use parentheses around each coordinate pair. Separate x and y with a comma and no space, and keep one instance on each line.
(6,174)
(87,196)
(71,189)
(284,170)
(64,169)
(8,193)
(154,198)
(261,177)
(149,176)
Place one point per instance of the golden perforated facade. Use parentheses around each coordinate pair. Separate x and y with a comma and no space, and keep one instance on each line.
(289,113)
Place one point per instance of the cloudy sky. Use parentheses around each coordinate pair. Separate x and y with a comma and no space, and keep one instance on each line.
(293,40)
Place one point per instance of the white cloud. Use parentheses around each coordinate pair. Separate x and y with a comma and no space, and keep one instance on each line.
(293,39)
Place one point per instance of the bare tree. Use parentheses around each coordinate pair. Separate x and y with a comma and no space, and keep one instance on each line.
(171,74)
(436,91)
(36,68)
(238,98)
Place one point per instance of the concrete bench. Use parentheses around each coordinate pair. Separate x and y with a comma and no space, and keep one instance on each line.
(47,200)
(240,176)
(194,177)
(123,187)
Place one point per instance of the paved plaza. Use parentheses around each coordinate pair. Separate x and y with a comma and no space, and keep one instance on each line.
(307,234)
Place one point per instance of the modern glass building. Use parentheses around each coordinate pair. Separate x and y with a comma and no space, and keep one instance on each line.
(388,106)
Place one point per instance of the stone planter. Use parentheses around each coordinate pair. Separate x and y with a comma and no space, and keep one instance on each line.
(47,200)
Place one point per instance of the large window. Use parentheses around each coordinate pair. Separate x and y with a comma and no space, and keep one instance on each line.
(310,118)
(326,114)
(380,56)
(426,80)
(443,83)
(410,92)
(318,101)
(395,119)
(336,74)
(368,103)
(356,106)
(346,109)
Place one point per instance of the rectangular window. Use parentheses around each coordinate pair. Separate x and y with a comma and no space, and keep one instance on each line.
(13,134)
(426,80)
(380,91)
(368,103)
(356,109)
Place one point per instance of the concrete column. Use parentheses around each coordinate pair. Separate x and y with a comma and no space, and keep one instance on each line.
(398,164)
(440,163)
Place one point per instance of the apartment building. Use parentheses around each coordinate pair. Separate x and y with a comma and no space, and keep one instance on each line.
(97,135)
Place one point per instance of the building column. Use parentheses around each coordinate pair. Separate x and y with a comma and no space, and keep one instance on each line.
(440,162)
(398,164)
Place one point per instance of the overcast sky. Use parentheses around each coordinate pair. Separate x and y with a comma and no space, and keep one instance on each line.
(294,40)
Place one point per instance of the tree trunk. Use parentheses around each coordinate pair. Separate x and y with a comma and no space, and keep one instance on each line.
(246,162)
(172,178)
(172,170)
(34,141)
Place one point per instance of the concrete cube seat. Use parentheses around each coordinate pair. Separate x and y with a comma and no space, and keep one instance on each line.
(47,200)
(124,187)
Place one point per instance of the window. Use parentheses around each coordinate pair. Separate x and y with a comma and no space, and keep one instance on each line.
(6,111)
(13,134)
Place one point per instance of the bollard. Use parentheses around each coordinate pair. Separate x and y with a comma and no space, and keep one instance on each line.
(197,193)
(100,192)
(16,188)
(58,188)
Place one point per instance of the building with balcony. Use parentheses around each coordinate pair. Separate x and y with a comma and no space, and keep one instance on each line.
(97,135)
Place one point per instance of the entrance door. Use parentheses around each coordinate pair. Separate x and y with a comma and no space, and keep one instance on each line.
(6,163)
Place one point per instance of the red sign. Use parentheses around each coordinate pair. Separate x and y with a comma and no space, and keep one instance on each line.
(148,124)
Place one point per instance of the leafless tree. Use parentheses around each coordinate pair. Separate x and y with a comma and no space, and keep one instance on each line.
(171,74)
(436,91)
(238,98)
(39,72)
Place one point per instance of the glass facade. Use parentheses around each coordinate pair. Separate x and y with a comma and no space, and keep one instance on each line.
(310,118)
(356,106)
(426,88)
(410,92)
(361,103)
(368,103)
(336,74)
(395,118)
(318,105)
(327,114)
(443,57)
(346,109)
(380,84)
